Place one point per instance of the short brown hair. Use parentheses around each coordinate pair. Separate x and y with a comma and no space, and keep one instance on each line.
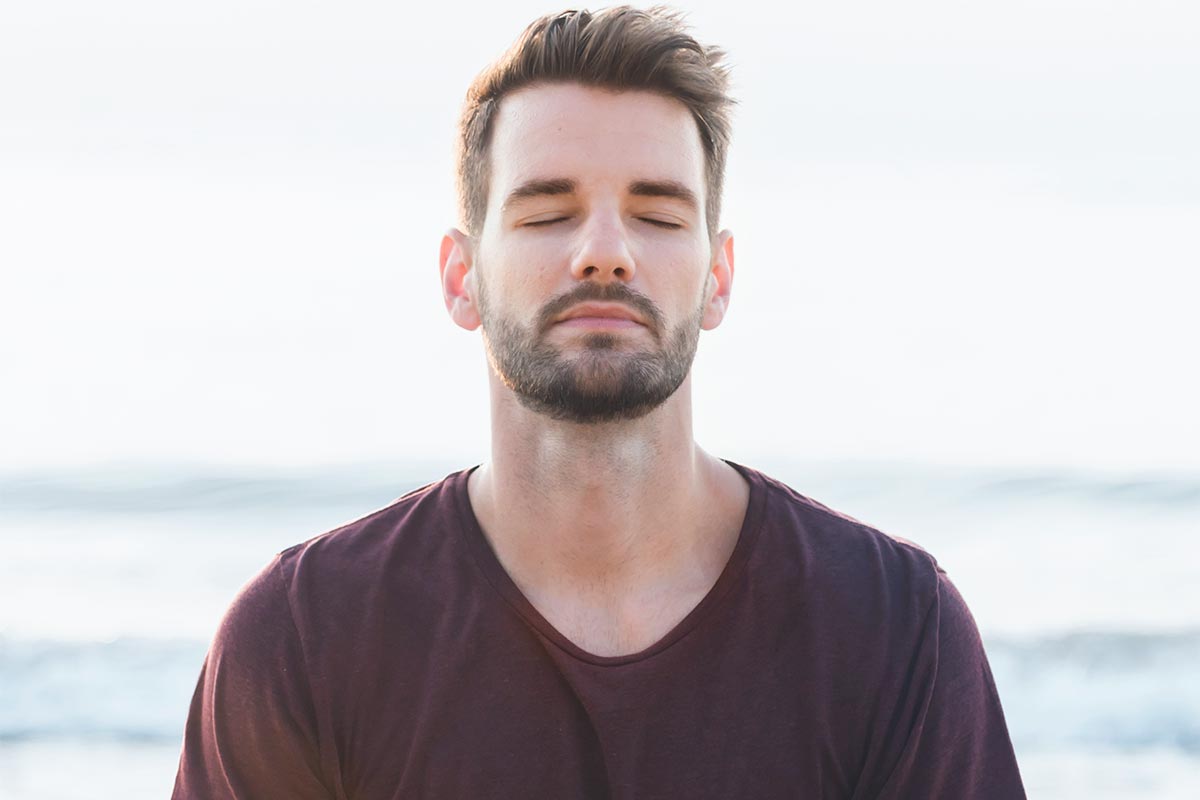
(620,48)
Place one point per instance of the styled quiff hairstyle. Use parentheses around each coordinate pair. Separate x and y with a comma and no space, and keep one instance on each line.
(620,48)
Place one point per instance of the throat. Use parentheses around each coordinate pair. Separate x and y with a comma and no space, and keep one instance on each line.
(611,577)
(600,629)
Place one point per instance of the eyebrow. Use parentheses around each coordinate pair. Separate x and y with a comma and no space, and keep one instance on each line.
(670,189)
(539,187)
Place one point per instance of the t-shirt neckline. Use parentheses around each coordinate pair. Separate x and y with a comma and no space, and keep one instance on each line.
(503,584)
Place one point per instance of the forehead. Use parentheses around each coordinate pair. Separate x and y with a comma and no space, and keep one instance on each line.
(593,135)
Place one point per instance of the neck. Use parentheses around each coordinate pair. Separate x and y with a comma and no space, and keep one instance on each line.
(607,508)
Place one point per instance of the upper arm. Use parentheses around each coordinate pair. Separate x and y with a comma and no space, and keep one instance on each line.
(252,729)
(947,737)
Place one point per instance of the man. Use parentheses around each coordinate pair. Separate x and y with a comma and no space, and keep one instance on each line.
(602,609)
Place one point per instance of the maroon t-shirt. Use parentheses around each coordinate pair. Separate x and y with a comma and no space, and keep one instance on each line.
(395,658)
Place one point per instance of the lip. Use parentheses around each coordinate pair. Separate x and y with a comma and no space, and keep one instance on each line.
(601,315)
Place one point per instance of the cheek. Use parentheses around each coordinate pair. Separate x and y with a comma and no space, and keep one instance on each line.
(686,279)
(514,279)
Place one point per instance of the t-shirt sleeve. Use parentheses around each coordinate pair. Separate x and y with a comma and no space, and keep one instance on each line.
(251,729)
(947,738)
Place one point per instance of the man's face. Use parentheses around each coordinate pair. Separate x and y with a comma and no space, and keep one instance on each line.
(592,269)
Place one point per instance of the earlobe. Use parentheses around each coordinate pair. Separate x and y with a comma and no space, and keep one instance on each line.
(720,281)
(458,279)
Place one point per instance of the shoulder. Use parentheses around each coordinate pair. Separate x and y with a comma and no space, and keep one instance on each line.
(833,555)
(398,559)
(405,534)
(869,598)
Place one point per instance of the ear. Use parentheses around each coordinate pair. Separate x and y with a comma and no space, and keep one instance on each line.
(719,281)
(458,279)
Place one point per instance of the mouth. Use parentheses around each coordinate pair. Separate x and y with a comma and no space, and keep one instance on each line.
(601,315)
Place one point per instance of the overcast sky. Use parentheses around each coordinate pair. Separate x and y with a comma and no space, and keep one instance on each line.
(966,233)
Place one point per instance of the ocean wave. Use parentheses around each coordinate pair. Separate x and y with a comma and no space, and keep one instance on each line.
(125,489)
(170,489)
(126,689)
(1091,689)
(1123,691)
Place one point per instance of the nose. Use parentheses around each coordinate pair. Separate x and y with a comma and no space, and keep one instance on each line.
(603,253)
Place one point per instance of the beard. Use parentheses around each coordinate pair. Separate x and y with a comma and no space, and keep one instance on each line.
(609,380)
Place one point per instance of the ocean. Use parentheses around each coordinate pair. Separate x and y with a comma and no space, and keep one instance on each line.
(1085,586)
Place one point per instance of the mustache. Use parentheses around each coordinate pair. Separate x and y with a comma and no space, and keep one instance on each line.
(600,293)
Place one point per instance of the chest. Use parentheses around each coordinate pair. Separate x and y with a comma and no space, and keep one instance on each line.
(708,728)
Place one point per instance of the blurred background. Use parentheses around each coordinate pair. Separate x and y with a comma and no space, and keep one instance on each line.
(968,248)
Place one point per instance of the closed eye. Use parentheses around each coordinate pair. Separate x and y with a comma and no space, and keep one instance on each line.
(661,223)
(539,222)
